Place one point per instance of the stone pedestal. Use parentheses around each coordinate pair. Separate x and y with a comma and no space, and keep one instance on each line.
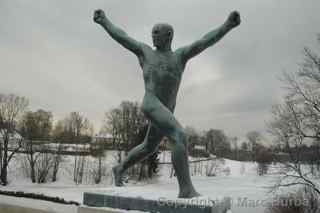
(161,205)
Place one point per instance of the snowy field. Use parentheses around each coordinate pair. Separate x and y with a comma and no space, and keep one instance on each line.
(247,191)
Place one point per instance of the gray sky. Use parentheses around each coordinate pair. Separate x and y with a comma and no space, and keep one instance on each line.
(53,53)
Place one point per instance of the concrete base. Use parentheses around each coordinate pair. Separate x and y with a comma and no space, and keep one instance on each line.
(162,206)
(83,209)
(21,205)
(5,208)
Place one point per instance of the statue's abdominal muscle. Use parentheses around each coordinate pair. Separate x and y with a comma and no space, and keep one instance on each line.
(162,77)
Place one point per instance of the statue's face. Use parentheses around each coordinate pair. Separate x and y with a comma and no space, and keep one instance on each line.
(162,35)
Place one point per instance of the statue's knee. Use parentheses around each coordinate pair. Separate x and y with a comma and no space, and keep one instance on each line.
(146,107)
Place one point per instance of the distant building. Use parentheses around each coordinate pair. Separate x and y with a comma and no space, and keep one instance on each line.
(199,147)
(102,138)
(14,140)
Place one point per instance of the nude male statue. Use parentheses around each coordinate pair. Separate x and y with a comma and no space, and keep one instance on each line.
(162,71)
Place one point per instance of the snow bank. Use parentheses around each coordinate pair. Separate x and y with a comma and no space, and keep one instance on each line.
(241,183)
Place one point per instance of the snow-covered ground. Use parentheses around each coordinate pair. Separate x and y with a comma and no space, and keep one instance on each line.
(247,191)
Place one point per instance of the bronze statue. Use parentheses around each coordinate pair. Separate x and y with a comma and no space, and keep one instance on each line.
(162,71)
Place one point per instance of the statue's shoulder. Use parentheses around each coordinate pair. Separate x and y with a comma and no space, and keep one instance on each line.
(179,52)
(147,51)
(146,47)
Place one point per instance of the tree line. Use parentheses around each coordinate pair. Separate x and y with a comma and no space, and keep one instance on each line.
(35,132)
(21,128)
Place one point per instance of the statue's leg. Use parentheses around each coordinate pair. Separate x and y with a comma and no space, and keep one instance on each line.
(148,147)
(163,118)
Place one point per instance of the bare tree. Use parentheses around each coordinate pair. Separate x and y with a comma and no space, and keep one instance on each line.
(98,176)
(58,135)
(112,125)
(44,164)
(128,126)
(11,108)
(79,131)
(56,162)
(214,167)
(253,139)
(296,122)
(193,139)
(35,126)
(125,123)
(217,142)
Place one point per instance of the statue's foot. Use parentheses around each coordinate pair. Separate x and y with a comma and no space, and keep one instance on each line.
(117,175)
(188,193)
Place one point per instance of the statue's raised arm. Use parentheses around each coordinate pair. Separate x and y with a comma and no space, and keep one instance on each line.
(118,34)
(209,39)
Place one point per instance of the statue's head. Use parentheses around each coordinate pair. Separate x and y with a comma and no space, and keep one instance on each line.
(162,35)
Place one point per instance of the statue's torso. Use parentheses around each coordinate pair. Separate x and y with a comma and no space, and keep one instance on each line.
(162,74)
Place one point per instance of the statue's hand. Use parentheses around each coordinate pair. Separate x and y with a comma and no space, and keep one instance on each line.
(234,19)
(99,16)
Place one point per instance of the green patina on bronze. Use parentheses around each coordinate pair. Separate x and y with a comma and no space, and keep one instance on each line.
(162,71)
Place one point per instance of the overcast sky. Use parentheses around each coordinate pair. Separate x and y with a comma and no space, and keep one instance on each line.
(53,53)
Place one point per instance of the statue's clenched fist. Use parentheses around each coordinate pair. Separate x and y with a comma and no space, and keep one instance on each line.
(234,19)
(99,16)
